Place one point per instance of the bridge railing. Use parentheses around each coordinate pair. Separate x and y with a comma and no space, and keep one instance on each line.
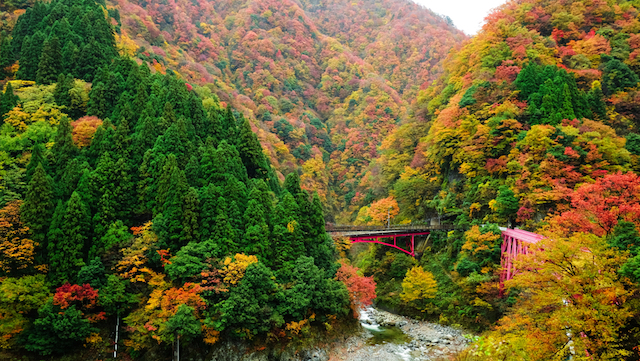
(406,227)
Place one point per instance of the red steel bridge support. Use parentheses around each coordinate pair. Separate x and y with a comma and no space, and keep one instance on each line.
(377,239)
(514,241)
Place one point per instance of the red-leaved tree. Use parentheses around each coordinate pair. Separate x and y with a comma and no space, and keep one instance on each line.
(362,290)
(598,207)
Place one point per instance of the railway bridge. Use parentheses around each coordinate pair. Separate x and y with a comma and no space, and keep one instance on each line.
(403,238)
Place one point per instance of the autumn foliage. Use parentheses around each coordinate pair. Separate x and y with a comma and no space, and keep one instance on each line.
(17,250)
(362,290)
(84,129)
(598,207)
(418,285)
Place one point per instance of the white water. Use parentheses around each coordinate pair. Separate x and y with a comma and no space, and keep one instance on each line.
(368,322)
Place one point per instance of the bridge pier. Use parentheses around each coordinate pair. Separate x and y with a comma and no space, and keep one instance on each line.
(515,242)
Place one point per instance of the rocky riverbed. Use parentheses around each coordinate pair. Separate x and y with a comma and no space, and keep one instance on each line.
(390,337)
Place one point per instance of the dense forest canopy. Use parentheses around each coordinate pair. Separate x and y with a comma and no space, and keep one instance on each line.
(533,124)
(171,166)
(130,193)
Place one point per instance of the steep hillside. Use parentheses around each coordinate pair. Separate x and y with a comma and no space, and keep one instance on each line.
(540,101)
(134,202)
(403,41)
(320,98)
(534,124)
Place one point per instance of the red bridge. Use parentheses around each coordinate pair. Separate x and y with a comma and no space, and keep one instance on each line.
(376,234)
(515,241)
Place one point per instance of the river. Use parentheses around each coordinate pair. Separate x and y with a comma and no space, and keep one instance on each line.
(390,337)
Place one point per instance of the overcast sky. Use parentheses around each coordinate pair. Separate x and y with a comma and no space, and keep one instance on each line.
(467,15)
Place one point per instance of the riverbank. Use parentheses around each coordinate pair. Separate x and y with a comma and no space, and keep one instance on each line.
(406,340)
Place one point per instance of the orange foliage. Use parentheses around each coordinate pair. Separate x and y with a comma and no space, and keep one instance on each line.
(598,207)
(84,129)
(16,249)
(383,208)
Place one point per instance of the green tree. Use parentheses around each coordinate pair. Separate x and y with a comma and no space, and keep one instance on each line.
(506,204)
(61,92)
(596,99)
(192,259)
(66,249)
(37,207)
(31,51)
(172,188)
(617,76)
(249,310)
(6,55)
(183,325)
(37,158)
(7,101)
(633,143)
(256,236)
(190,215)
(251,152)
(63,149)
(56,332)
(50,65)
(93,274)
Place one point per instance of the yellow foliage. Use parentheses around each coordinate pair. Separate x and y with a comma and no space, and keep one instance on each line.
(211,336)
(233,271)
(18,118)
(125,45)
(133,257)
(343,245)
(478,242)
(93,339)
(418,284)
(296,327)
(291,226)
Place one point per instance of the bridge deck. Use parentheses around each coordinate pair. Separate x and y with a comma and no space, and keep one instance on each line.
(353,231)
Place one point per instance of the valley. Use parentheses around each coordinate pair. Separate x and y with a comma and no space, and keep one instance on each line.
(260,179)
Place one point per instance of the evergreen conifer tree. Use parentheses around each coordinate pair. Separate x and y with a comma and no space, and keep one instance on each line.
(61,92)
(37,158)
(208,210)
(30,56)
(8,101)
(190,214)
(112,188)
(6,56)
(38,204)
(70,57)
(172,188)
(63,150)
(50,64)
(66,252)
(256,235)
(251,152)
(223,233)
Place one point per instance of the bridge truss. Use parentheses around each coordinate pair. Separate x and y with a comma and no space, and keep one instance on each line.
(378,239)
(514,241)
(387,236)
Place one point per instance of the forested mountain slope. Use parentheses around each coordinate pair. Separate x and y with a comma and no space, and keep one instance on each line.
(320,98)
(543,99)
(130,197)
(533,124)
(322,84)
